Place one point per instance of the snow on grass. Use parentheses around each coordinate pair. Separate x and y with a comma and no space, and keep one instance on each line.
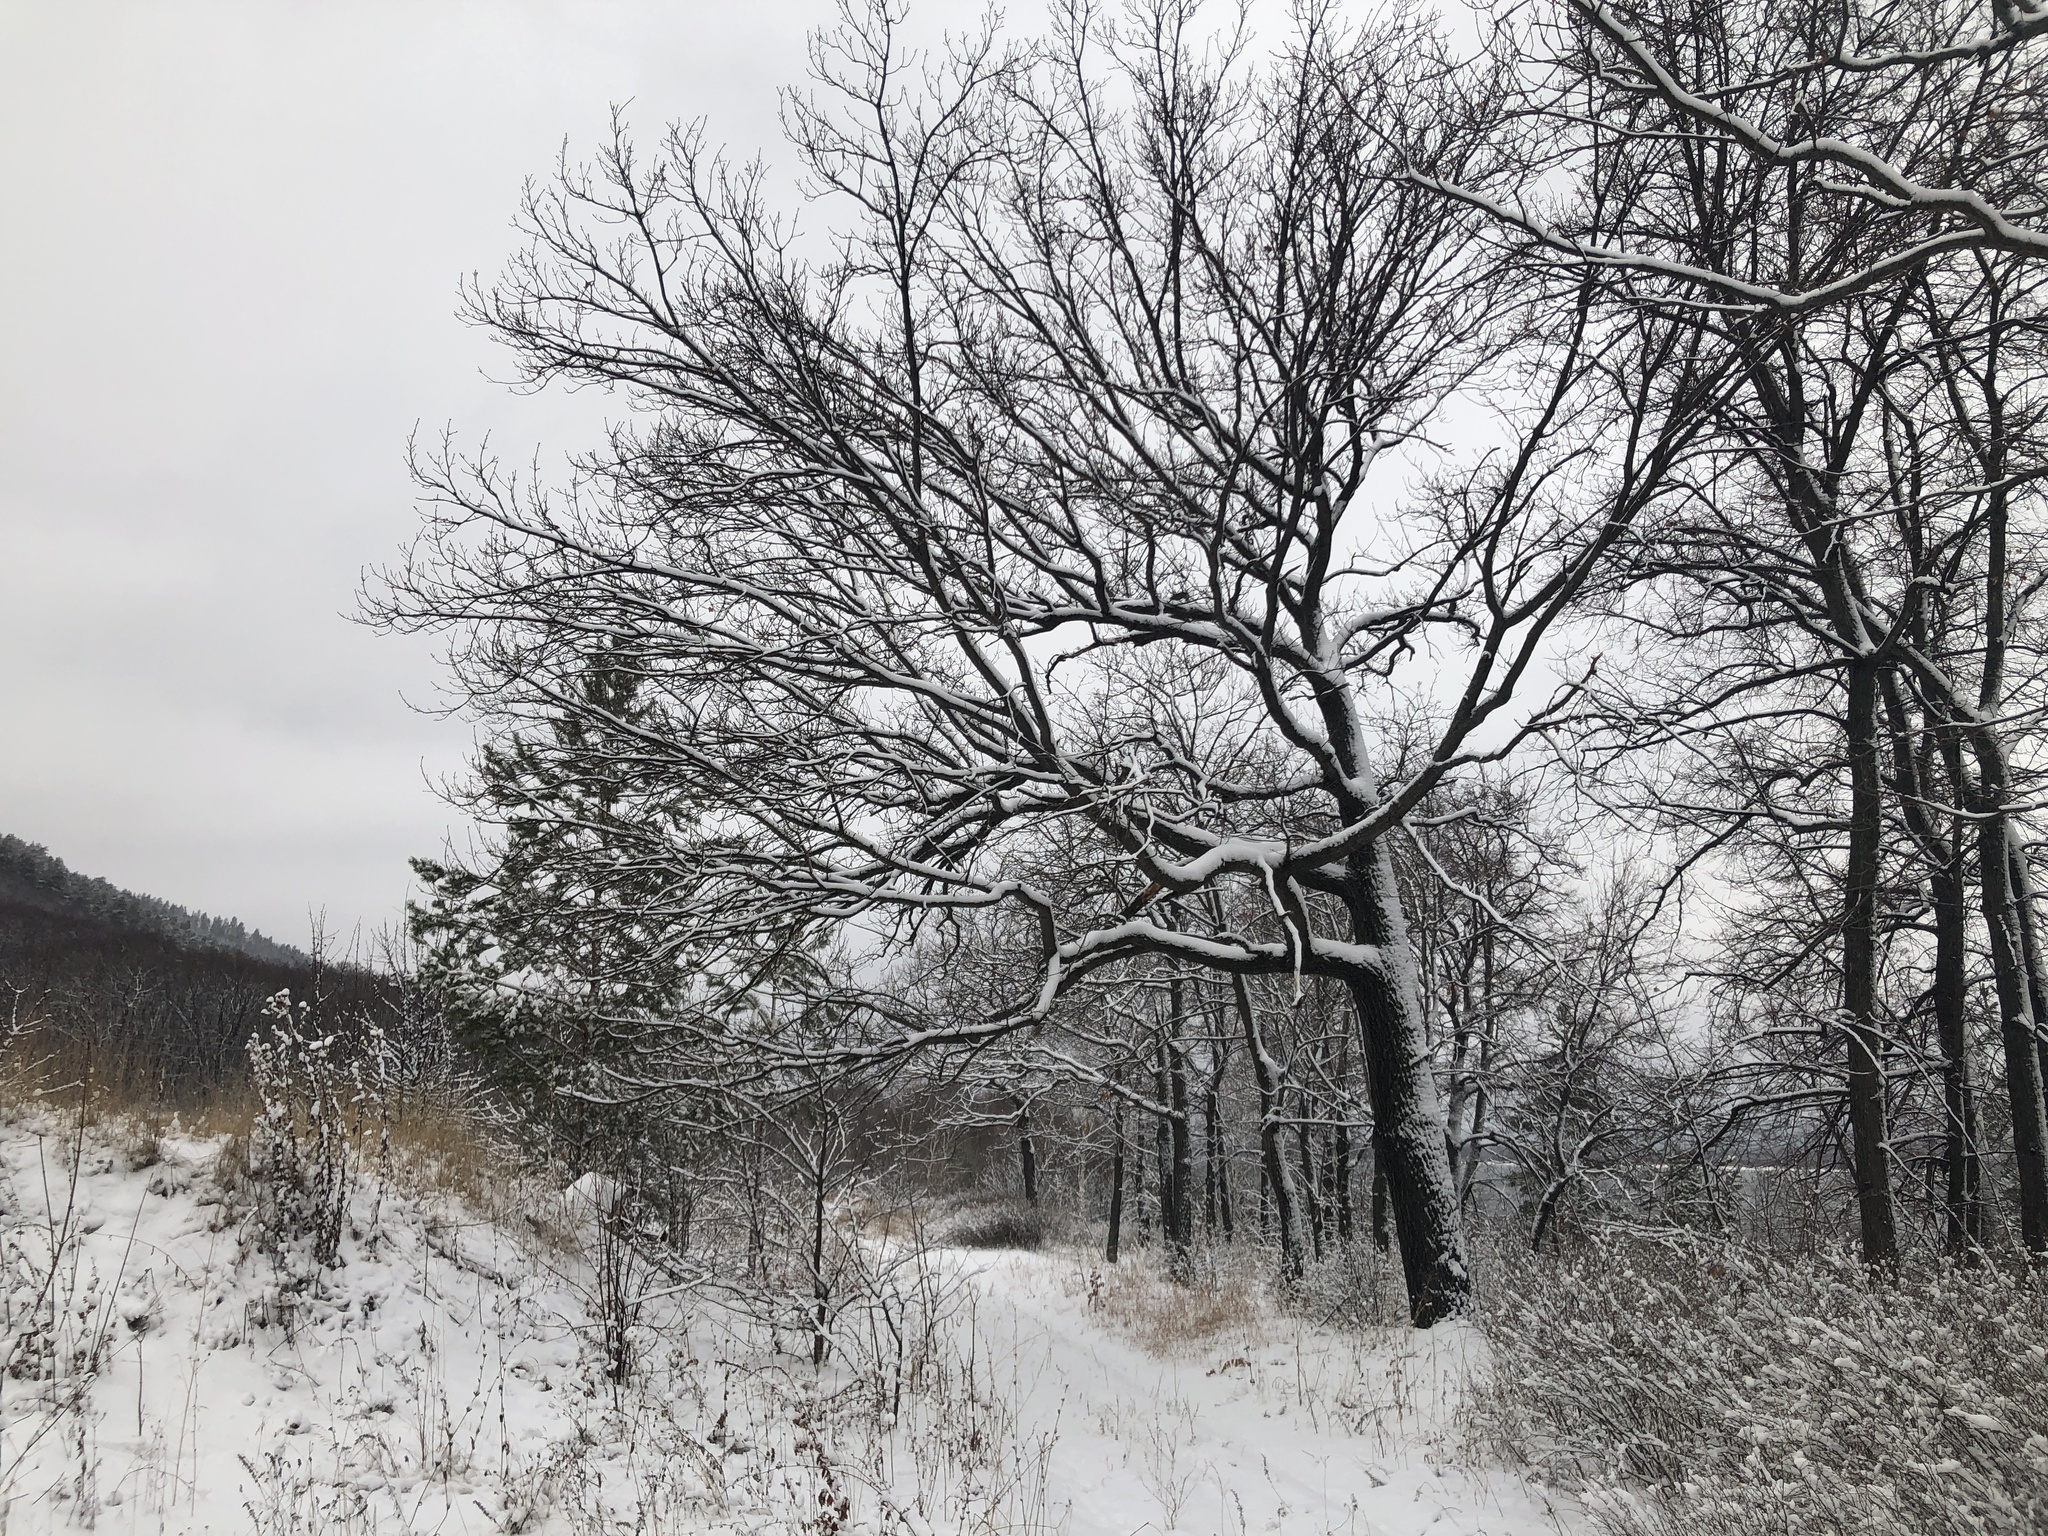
(448,1375)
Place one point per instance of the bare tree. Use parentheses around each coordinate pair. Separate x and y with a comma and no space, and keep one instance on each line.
(1106,386)
(1913,115)
(1758,168)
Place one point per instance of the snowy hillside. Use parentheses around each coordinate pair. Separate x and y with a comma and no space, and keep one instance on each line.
(449,1374)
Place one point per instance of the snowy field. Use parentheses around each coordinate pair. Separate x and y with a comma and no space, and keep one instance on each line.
(449,1376)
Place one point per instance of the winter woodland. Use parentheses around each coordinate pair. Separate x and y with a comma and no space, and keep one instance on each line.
(1342,718)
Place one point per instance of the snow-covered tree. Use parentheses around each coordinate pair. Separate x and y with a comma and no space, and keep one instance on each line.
(1074,498)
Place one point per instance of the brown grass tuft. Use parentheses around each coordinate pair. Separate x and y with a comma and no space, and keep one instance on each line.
(1171,1320)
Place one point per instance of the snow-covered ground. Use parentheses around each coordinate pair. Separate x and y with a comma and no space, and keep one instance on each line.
(448,1376)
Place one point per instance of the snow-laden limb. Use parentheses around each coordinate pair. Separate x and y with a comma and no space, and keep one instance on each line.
(2013,230)
(1910,123)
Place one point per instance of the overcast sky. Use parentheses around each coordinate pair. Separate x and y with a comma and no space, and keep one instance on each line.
(232,238)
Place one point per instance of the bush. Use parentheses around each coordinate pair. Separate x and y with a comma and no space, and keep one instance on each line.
(319,1097)
(994,1224)
(1689,1387)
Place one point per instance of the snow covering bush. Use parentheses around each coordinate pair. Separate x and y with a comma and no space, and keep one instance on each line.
(1355,1286)
(1690,1387)
(319,1097)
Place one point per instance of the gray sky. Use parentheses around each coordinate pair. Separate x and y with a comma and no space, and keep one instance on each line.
(232,236)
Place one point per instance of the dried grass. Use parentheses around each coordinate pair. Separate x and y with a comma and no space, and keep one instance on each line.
(1686,1387)
(428,1140)
(1224,1302)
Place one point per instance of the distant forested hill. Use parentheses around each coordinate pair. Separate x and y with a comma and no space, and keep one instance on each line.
(128,986)
(32,876)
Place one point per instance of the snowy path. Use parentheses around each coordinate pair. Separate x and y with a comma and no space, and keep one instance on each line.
(1283,1428)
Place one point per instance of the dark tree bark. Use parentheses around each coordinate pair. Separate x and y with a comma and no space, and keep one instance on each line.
(1382,1235)
(1211,1136)
(1963,1198)
(1963,1166)
(1273,1185)
(1943,848)
(1215,1158)
(1340,1179)
(1180,1228)
(1220,1160)
(2017,1026)
(1138,1190)
(821,1291)
(1168,1199)
(2024,904)
(2002,875)
(1408,1131)
(1027,1154)
(1871,1145)
(1116,1181)
(1304,1137)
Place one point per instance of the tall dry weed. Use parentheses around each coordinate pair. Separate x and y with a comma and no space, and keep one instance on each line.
(1686,1387)
(1175,1320)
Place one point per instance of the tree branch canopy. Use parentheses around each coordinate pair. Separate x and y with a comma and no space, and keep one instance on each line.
(1044,538)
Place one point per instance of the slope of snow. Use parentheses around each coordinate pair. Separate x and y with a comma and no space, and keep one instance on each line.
(447,1376)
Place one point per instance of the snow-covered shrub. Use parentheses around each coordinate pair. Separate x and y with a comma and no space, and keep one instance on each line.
(1695,1388)
(619,1281)
(900,1301)
(320,1096)
(286,1498)
(996,1223)
(57,1316)
(1355,1284)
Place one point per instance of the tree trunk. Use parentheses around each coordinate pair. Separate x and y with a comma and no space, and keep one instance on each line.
(1466,1168)
(2030,949)
(2006,914)
(2015,1003)
(1382,1234)
(1162,1156)
(1942,845)
(1870,1141)
(1340,1178)
(1546,1209)
(757,1237)
(1180,1232)
(1138,1193)
(1027,1155)
(1408,1128)
(821,1293)
(1210,1139)
(1274,1186)
(1223,1186)
(1116,1181)
(1302,1138)
(1963,1193)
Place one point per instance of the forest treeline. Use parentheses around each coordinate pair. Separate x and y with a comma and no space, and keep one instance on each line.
(146,996)
(32,876)
(1310,635)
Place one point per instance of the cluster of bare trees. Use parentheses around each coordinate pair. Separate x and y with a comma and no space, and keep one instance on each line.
(1160,609)
(1831,691)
